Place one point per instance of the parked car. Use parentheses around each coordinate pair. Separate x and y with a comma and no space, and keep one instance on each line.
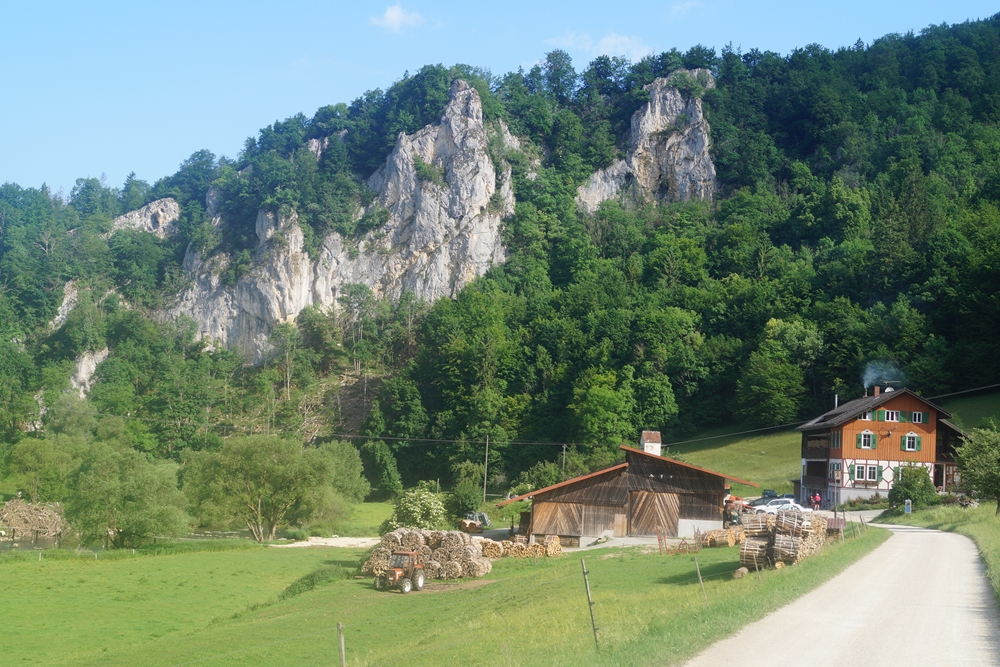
(781,505)
(790,496)
(769,493)
(749,505)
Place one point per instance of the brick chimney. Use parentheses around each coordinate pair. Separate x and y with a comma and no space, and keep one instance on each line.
(877,389)
(650,442)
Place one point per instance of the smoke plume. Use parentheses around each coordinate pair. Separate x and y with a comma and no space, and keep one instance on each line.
(877,372)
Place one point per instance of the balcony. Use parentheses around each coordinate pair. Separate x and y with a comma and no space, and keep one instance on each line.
(814,482)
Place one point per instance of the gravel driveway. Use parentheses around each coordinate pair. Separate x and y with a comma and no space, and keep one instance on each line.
(921,598)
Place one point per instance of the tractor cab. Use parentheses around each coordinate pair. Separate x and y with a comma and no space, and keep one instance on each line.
(405,572)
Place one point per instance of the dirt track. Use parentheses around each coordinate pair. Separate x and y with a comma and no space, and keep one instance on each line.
(922,598)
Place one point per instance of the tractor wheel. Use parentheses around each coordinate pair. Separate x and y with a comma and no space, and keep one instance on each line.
(418,580)
(405,585)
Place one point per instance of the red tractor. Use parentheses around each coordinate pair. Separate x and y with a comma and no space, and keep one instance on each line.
(405,572)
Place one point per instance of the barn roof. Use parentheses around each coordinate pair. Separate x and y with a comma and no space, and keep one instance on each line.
(639,464)
(853,409)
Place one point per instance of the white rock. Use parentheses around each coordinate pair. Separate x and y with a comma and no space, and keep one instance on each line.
(159,217)
(668,153)
(438,238)
(86,366)
(70,297)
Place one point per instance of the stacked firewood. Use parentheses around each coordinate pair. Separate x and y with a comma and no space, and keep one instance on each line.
(453,554)
(785,538)
(23,519)
(728,537)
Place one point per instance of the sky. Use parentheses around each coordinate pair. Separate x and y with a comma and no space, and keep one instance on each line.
(101,89)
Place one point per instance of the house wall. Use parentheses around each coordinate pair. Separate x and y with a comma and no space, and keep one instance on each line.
(889,433)
(856,489)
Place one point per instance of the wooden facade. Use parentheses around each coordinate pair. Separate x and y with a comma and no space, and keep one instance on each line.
(645,495)
(857,449)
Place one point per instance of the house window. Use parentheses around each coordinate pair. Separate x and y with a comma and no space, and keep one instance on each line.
(866,416)
(835,440)
(910,442)
(892,415)
(867,440)
(872,473)
(917,417)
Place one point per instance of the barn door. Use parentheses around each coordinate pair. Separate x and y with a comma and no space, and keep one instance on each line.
(649,512)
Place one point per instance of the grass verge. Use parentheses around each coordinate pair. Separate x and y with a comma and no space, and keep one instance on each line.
(649,610)
(980,524)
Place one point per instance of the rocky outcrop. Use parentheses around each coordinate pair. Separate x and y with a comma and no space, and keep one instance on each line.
(70,296)
(86,366)
(668,156)
(159,217)
(445,201)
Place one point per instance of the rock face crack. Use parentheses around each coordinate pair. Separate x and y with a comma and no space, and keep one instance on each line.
(438,238)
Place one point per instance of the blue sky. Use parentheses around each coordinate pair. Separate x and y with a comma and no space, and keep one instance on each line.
(112,87)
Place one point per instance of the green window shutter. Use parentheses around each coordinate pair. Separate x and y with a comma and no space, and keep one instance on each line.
(880,415)
(927,417)
(903,415)
(918,442)
(874,440)
(852,470)
(902,443)
(879,474)
(859,447)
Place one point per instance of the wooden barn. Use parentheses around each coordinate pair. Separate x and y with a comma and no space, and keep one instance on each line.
(646,494)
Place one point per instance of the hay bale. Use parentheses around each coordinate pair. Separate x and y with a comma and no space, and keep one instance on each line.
(492,549)
(432,569)
(451,570)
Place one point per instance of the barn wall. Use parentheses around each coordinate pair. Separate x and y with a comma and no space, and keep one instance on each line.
(702,506)
(556,518)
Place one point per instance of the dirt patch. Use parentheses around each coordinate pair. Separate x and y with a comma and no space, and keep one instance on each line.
(444,587)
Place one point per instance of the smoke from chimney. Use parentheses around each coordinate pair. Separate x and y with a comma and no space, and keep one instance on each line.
(881,371)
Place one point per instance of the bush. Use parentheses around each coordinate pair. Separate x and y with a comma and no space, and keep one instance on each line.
(418,508)
(915,485)
(296,534)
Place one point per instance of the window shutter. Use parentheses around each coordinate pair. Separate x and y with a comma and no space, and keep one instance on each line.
(918,442)
(859,447)
(852,469)
(902,443)
(927,417)
(903,415)
(879,474)
(874,440)
(880,415)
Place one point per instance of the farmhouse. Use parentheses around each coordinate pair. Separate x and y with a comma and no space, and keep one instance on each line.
(646,494)
(856,449)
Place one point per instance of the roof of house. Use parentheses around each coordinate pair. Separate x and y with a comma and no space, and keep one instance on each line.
(622,466)
(650,436)
(852,409)
(954,428)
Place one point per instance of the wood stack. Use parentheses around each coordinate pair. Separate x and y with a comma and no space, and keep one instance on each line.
(796,524)
(754,552)
(432,569)
(787,549)
(28,520)
(377,562)
(450,570)
(758,525)
(553,547)
(492,549)
(477,567)
(727,537)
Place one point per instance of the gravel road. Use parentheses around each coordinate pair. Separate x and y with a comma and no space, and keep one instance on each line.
(921,598)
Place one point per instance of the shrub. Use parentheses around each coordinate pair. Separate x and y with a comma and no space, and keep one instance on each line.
(914,484)
(418,508)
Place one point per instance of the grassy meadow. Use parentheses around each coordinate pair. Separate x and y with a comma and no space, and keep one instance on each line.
(972,411)
(364,519)
(205,607)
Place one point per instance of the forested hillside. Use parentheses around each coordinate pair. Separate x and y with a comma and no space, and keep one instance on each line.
(857,220)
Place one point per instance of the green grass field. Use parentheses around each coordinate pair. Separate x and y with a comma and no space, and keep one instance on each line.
(171,610)
(364,519)
(972,411)
(772,459)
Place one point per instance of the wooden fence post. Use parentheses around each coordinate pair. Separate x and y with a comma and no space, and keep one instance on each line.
(700,580)
(590,602)
(340,636)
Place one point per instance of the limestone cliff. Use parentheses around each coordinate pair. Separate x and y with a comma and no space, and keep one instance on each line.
(445,200)
(667,156)
(159,217)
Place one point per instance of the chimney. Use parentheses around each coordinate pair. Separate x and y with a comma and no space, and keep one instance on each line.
(650,442)
(877,389)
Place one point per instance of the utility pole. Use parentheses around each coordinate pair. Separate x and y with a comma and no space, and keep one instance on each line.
(564,459)
(486,465)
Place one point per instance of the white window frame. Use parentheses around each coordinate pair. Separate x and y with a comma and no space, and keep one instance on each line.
(911,442)
(869,436)
(866,416)
(892,415)
(872,474)
(917,417)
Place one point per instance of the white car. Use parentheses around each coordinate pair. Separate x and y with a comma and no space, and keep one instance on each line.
(781,505)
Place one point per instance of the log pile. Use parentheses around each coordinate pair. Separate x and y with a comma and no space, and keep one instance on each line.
(728,537)
(453,554)
(26,520)
(784,538)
